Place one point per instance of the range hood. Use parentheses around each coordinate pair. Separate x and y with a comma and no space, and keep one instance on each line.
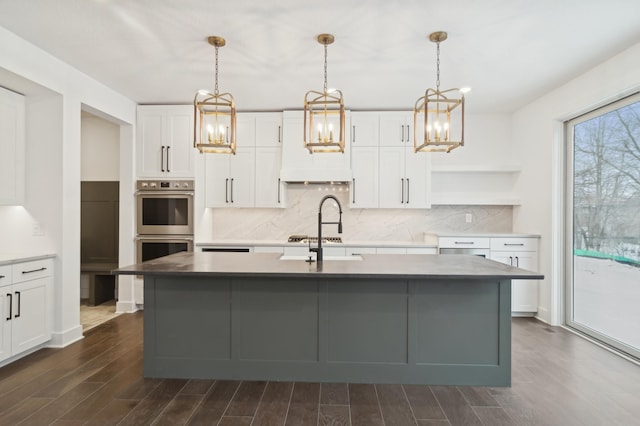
(298,165)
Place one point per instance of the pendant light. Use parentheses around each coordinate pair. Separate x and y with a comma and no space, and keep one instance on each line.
(324,113)
(214,115)
(438,116)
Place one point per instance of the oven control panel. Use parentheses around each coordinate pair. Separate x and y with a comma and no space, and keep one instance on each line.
(165,185)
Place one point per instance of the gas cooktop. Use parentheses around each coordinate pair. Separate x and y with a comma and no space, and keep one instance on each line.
(305,239)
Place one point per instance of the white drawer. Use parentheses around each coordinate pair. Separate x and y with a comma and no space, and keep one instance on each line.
(514,244)
(5,275)
(422,250)
(350,251)
(32,270)
(464,242)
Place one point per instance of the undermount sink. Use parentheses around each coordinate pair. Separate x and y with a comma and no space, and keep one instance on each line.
(326,258)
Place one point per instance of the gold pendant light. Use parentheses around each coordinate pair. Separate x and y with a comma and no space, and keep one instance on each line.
(324,113)
(214,115)
(438,116)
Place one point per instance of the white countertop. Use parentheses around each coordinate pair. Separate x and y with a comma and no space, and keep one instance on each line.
(11,258)
(486,234)
(347,243)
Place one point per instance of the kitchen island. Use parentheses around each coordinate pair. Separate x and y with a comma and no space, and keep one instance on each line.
(421,319)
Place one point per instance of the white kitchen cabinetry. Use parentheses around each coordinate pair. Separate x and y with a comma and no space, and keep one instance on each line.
(268,141)
(12,148)
(404,176)
(298,165)
(251,177)
(165,141)
(364,159)
(522,253)
(396,129)
(230,179)
(26,297)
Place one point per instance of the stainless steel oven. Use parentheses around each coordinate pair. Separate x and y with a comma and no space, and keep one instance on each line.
(153,246)
(165,207)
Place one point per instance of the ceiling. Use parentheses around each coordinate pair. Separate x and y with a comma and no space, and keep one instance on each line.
(155,51)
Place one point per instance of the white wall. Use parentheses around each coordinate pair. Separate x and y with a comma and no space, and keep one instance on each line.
(55,94)
(539,142)
(100,156)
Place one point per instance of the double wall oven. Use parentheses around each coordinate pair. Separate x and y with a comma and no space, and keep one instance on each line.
(164,218)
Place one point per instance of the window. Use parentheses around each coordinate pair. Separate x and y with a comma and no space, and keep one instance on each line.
(603,223)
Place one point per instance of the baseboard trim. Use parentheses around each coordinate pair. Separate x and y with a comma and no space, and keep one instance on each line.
(126,307)
(65,338)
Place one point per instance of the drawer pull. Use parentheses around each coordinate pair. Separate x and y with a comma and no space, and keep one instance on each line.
(34,270)
(464,242)
(10,296)
(514,244)
(19,303)
(1,277)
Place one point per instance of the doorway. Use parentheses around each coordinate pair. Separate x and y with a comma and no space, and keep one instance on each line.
(99,212)
(603,239)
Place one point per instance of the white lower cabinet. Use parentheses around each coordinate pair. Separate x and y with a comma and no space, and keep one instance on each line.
(25,306)
(521,253)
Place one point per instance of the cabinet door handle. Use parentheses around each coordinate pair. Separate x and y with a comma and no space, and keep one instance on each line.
(402,191)
(226,190)
(517,262)
(232,190)
(353,134)
(407,190)
(10,296)
(279,190)
(18,314)
(510,260)
(408,132)
(168,158)
(1,277)
(162,158)
(279,135)
(353,191)
(402,133)
(34,270)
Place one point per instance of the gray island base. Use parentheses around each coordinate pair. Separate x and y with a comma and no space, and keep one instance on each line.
(411,319)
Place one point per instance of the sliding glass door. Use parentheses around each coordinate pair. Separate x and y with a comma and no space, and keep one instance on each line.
(603,222)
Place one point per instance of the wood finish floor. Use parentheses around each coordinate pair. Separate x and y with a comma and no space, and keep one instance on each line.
(558,379)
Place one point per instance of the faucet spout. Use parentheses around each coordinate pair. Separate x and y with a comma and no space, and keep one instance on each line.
(318,249)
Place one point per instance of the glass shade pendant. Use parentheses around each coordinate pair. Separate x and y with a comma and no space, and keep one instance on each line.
(438,116)
(214,115)
(324,124)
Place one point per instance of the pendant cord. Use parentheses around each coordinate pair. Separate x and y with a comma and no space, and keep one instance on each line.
(215,90)
(325,67)
(438,67)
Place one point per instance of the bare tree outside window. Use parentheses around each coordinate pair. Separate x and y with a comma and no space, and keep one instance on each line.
(604,287)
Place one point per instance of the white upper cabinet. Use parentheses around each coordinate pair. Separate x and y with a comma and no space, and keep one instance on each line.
(365,129)
(269,189)
(12,147)
(404,175)
(298,165)
(165,141)
(396,128)
(251,177)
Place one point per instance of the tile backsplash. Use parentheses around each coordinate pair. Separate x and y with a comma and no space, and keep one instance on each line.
(301,217)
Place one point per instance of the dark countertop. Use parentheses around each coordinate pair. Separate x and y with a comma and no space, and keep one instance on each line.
(268,265)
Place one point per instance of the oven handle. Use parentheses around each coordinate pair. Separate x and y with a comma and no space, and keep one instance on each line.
(167,238)
(164,194)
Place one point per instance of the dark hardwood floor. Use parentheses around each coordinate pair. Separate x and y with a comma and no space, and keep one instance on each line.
(558,379)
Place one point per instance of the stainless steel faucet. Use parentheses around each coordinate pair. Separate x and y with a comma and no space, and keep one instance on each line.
(318,249)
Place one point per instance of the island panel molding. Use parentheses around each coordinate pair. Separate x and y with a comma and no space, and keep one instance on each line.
(415,319)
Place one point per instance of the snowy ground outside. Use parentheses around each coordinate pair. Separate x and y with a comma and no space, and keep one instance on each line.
(607,298)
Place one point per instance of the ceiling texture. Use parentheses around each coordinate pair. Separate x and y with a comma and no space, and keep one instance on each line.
(155,51)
